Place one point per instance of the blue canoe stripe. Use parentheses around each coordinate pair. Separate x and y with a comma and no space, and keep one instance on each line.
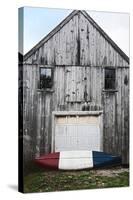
(102,159)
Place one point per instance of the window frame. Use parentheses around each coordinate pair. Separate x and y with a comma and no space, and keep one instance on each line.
(45,67)
(110,89)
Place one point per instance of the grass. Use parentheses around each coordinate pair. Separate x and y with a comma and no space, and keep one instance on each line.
(47,181)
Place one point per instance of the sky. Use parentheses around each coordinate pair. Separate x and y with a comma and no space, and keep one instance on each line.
(38,22)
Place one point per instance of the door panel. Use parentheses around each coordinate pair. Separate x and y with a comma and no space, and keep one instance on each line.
(77,133)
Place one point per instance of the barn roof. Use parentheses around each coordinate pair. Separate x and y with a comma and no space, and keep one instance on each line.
(66,20)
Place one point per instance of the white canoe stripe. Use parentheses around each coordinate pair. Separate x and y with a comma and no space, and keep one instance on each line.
(70,160)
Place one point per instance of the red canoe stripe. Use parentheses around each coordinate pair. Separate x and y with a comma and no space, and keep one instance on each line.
(49,161)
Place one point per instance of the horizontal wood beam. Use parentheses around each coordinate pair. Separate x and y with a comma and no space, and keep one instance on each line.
(63,113)
(40,65)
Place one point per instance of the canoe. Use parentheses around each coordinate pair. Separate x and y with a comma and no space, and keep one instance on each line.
(76,160)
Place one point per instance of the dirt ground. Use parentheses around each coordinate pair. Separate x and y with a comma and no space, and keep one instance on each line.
(111,172)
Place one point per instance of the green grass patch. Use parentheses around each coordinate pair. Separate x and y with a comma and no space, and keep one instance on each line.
(47,181)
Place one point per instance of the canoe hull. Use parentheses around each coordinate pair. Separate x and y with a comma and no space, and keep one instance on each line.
(76,160)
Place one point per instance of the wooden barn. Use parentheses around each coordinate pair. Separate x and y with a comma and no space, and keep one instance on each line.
(76,91)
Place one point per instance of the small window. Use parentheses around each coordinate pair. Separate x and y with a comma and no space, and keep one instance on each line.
(45,78)
(109,79)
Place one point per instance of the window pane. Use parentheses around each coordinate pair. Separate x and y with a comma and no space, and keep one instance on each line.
(45,78)
(43,71)
(109,78)
(110,73)
(48,72)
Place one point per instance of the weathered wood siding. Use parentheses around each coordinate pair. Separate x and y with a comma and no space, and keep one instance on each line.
(116,117)
(78,53)
(70,93)
(77,43)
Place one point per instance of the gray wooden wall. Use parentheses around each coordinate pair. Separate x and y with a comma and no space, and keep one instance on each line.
(78,54)
(39,104)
